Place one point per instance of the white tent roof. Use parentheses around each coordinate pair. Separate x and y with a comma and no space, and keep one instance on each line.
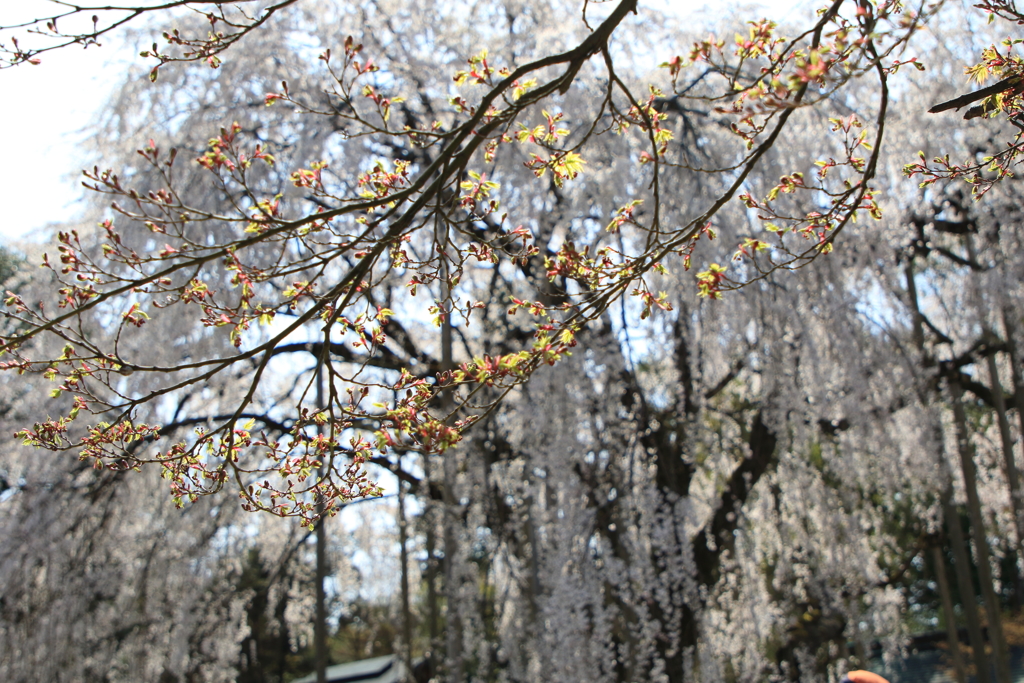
(388,669)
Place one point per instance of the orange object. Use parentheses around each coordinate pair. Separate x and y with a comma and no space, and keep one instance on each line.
(864,677)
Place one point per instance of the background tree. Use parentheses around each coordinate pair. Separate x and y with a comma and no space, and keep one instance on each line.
(728,490)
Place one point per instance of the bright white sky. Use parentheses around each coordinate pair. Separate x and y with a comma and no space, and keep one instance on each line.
(47,107)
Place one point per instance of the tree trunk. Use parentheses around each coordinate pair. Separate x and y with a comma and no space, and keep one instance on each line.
(453,624)
(320,627)
(962,565)
(1018,395)
(963,579)
(1009,468)
(954,531)
(718,532)
(952,636)
(995,626)
(403,540)
(531,537)
(433,611)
